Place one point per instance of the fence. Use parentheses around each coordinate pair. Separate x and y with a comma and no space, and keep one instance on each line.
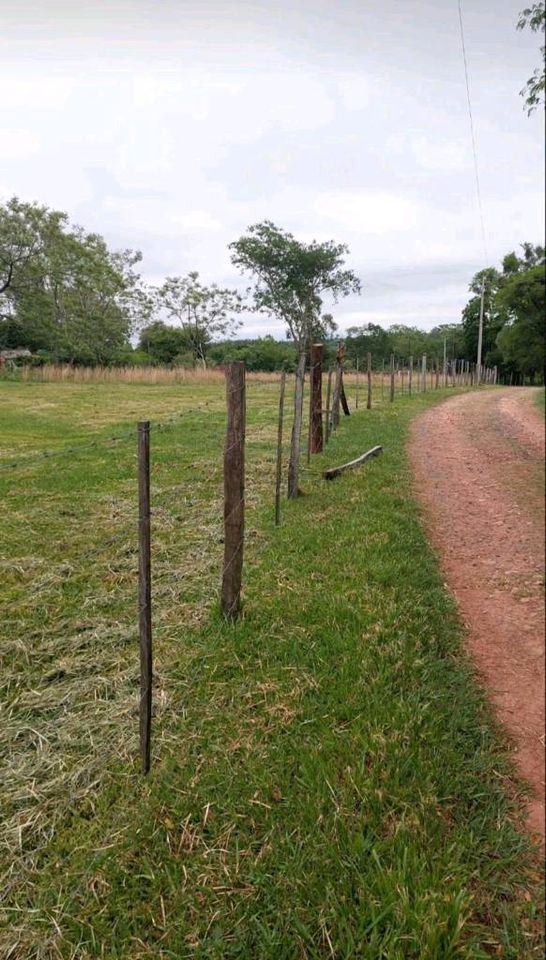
(71,676)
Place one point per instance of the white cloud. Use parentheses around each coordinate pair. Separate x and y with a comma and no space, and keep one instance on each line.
(446,155)
(17,143)
(200,221)
(373,212)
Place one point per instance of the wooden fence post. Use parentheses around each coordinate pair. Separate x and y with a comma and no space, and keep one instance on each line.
(295,441)
(410,375)
(369,375)
(392,378)
(336,398)
(328,412)
(278,477)
(144,592)
(357,382)
(234,490)
(423,373)
(316,398)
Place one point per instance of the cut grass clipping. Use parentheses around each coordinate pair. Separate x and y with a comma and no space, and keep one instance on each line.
(326,781)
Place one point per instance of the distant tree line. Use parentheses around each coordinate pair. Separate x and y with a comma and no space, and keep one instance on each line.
(65,296)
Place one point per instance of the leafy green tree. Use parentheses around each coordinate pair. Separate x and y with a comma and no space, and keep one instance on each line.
(453,335)
(521,340)
(203,312)
(25,231)
(534,17)
(63,291)
(162,342)
(264,353)
(369,338)
(492,320)
(503,290)
(291,278)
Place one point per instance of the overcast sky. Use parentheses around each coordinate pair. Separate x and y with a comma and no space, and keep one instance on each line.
(170,126)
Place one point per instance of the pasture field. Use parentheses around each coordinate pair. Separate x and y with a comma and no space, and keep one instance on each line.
(326,778)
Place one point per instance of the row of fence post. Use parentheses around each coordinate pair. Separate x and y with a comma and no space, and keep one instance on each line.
(321,424)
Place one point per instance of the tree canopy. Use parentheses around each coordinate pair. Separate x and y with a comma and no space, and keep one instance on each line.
(62,291)
(514,313)
(291,278)
(203,312)
(534,18)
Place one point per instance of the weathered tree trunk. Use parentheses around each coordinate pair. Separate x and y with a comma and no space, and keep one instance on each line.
(294,464)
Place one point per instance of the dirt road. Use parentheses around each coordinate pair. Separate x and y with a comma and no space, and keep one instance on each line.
(478,460)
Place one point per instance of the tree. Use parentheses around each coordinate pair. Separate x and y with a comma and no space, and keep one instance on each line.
(492,322)
(511,300)
(369,338)
(534,17)
(163,343)
(521,340)
(453,335)
(291,278)
(62,290)
(203,312)
(25,229)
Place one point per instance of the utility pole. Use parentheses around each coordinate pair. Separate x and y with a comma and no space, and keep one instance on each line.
(480,339)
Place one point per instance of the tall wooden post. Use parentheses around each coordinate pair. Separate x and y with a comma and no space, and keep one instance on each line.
(316,398)
(336,399)
(144,592)
(328,412)
(423,373)
(357,382)
(437,372)
(392,378)
(338,386)
(369,375)
(410,375)
(278,473)
(445,362)
(234,490)
(294,462)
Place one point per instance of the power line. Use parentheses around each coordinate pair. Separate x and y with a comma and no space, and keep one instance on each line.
(472,132)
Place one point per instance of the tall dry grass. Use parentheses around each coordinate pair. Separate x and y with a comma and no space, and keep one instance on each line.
(65,372)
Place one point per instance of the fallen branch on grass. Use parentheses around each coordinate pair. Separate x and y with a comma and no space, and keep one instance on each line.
(336,471)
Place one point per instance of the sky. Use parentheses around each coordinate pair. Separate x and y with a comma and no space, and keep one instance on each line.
(171,126)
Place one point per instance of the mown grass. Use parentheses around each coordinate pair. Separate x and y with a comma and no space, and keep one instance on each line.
(326,783)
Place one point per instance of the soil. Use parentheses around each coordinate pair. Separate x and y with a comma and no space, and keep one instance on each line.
(478,461)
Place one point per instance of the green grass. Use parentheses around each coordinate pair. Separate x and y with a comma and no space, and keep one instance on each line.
(541,400)
(326,781)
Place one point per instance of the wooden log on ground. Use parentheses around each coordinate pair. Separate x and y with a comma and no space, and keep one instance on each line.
(337,471)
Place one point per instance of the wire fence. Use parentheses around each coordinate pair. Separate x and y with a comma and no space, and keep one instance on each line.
(72,557)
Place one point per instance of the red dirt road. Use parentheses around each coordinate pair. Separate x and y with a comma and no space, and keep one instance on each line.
(478,461)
